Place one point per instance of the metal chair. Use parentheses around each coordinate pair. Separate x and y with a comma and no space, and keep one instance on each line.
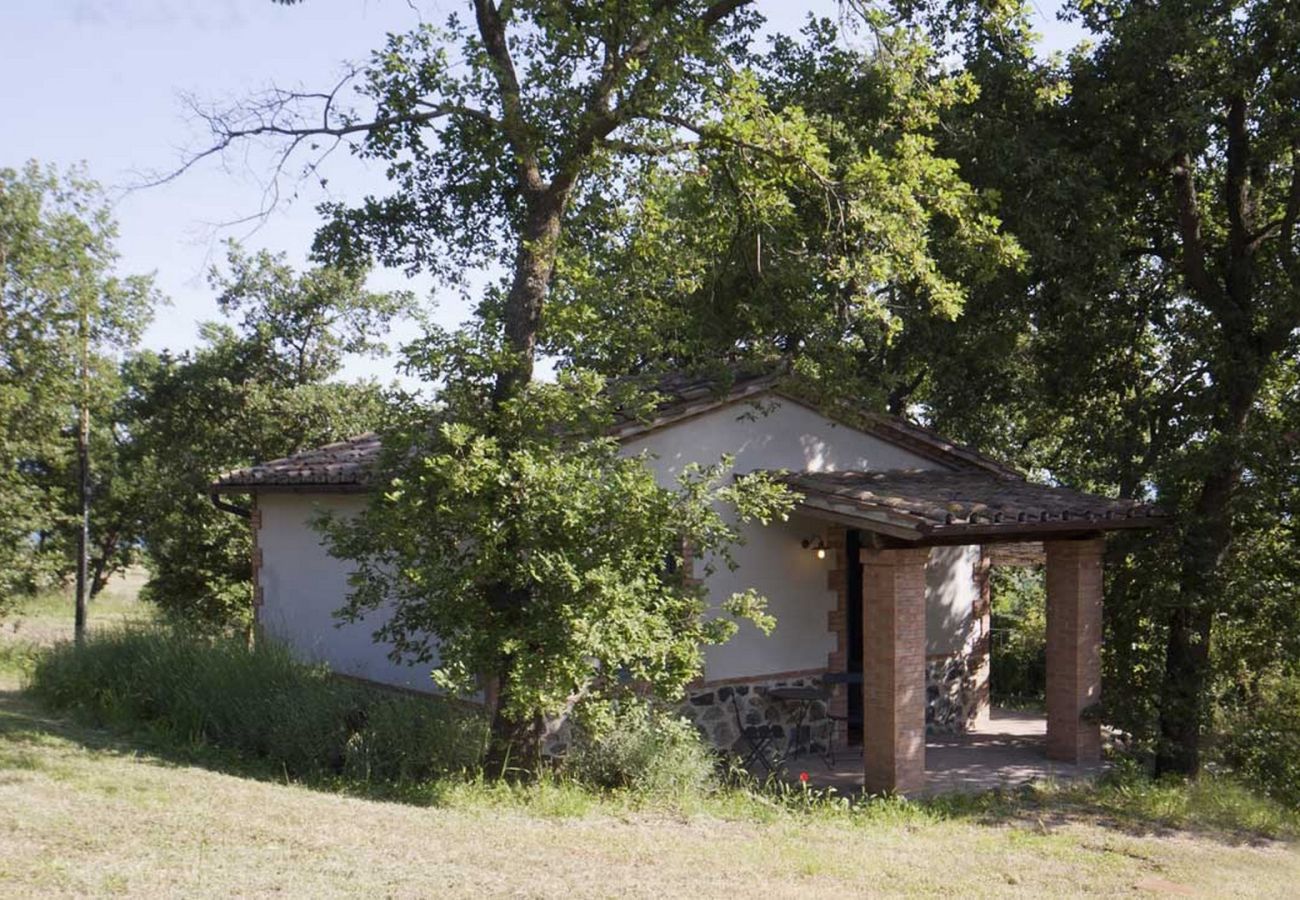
(831,680)
(760,741)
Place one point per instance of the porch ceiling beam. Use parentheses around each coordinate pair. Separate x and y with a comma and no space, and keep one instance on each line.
(858,518)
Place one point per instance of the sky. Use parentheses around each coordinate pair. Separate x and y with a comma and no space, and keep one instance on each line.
(102,82)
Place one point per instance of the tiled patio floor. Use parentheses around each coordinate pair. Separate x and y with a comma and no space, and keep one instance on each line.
(1009,752)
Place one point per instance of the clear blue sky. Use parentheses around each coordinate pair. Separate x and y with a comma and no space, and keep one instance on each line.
(100,81)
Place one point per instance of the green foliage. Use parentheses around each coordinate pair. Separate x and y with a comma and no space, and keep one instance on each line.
(644,749)
(1018,668)
(1261,737)
(474,132)
(260,704)
(250,393)
(1148,348)
(814,218)
(520,535)
(59,296)
(297,328)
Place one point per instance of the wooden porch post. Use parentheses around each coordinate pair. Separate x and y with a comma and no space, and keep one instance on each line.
(893,669)
(1074,589)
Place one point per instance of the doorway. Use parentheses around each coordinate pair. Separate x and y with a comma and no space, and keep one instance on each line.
(853,575)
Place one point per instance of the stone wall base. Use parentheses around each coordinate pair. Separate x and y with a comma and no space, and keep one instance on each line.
(951,707)
(718,710)
(952,702)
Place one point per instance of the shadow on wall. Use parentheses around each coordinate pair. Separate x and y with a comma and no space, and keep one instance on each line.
(951,596)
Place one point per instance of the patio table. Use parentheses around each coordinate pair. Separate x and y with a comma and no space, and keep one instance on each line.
(800,739)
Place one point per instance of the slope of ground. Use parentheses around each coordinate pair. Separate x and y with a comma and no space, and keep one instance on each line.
(83,812)
(87,812)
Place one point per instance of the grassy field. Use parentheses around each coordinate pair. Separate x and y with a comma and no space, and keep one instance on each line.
(45,619)
(88,812)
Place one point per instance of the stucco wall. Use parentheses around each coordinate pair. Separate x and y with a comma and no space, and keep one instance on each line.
(950,595)
(773,434)
(781,434)
(302,586)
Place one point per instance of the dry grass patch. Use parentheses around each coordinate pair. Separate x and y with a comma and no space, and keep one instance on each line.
(47,619)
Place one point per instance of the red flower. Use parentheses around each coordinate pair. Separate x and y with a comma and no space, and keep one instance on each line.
(803,776)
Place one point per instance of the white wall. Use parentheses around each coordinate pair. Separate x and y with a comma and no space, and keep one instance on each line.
(773,434)
(794,581)
(782,434)
(302,586)
(950,596)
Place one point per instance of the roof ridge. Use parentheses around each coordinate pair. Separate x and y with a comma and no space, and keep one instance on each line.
(685,395)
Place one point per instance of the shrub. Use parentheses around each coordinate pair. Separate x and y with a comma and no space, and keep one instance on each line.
(1261,740)
(642,748)
(262,704)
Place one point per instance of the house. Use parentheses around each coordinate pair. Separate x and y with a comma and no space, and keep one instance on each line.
(881,572)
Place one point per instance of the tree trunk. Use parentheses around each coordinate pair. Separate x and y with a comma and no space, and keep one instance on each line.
(514,748)
(513,744)
(534,266)
(101,566)
(83,529)
(1205,544)
(83,489)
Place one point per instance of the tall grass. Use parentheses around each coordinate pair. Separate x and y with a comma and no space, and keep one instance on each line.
(260,704)
(646,750)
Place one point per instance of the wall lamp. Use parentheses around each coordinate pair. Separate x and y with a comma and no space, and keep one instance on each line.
(817,545)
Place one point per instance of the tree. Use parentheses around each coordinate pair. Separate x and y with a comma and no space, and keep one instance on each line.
(258,390)
(815,221)
(490,134)
(62,314)
(602,566)
(1154,180)
(1221,161)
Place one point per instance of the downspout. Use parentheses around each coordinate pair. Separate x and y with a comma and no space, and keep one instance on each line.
(245,513)
(242,511)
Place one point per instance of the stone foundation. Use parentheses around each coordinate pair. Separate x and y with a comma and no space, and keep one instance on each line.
(951,705)
(951,694)
(713,710)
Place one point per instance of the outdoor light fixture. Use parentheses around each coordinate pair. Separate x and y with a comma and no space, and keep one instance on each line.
(817,545)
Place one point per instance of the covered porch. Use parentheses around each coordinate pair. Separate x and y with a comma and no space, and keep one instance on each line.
(1006,750)
(899,516)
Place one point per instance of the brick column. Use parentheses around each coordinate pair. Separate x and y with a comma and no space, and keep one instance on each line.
(837,619)
(1074,586)
(893,669)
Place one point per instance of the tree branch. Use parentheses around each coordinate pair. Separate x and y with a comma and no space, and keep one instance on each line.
(1189,227)
(1236,197)
(492,31)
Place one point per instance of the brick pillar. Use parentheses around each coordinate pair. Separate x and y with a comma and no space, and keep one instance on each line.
(893,669)
(837,620)
(1074,585)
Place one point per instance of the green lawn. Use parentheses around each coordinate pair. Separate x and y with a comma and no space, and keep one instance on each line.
(86,812)
(89,812)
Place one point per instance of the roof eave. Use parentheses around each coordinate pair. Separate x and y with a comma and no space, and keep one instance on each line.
(347,487)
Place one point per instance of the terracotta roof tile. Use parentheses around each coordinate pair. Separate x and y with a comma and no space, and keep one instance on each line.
(343,464)
(346,463)
(933,503)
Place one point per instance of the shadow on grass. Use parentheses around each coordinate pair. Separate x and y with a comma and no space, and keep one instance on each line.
(27,727)
(1217,809)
